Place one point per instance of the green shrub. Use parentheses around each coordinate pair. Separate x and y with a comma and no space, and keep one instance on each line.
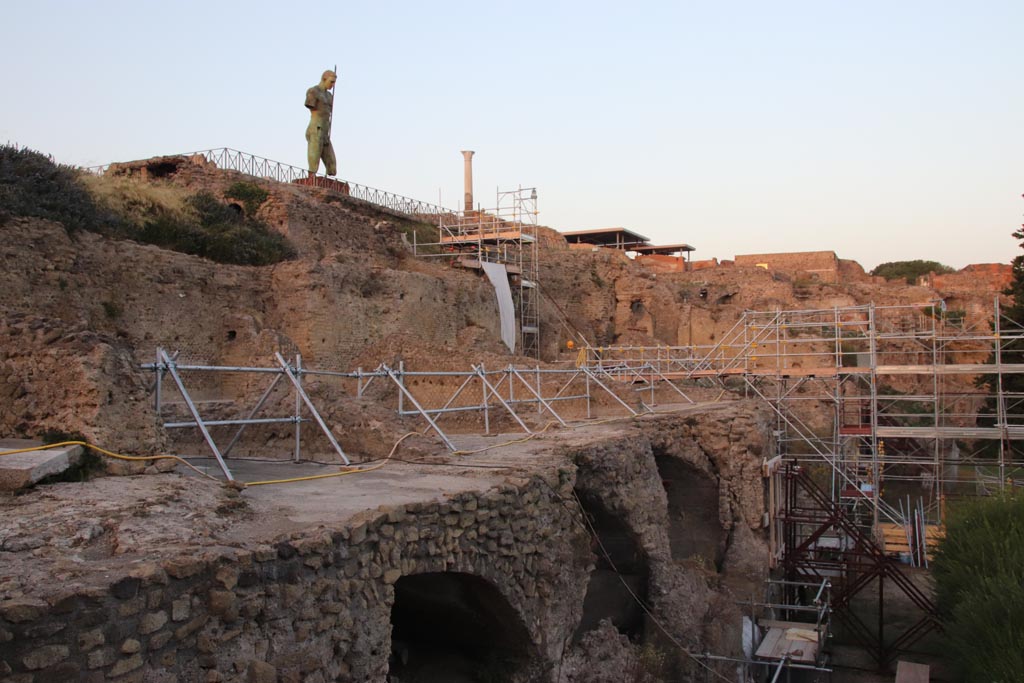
(979,578)
(910,270)
(33,186)
(251,195)
(217,232)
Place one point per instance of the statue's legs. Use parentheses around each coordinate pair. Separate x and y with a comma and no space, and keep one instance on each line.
(314,145)
(319,146)
(328,156)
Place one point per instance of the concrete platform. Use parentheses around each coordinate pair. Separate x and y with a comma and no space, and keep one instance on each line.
(24,469)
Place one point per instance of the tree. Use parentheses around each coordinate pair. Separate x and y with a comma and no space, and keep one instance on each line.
(979,582)
(1013,350)
(910,270)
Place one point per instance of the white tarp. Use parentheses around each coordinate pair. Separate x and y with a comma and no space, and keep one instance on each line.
(498,276)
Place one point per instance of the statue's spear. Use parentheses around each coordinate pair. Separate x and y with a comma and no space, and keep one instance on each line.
(330,115)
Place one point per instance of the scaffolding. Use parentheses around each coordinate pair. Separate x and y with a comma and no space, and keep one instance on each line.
(507,235)
(221,402)
(887,396)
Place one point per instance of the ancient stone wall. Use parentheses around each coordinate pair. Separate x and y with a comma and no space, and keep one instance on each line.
(313,608)
(71,382)
(660,263)
(317,604)
(819,265)
(993,276)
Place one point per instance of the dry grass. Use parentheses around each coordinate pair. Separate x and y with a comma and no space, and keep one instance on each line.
(137,201)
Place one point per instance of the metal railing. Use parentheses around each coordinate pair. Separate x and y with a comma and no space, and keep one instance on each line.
(516,397)
(229,159)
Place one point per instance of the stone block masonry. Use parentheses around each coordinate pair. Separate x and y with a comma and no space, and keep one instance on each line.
(822,266)
(312,608)
(137,593)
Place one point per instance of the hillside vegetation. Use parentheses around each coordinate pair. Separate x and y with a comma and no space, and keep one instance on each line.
(33,186)
(910,270)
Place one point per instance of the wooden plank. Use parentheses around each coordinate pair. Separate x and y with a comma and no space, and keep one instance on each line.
(801,650)
(775,646)
(909,672)
(485,236)
(769,644)
(775,623)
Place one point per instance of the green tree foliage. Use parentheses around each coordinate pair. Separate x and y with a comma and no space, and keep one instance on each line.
(33,186)
(1012,350)
(910,270)
(979,578)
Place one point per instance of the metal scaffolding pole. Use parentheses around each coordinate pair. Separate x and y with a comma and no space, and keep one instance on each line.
(168,363)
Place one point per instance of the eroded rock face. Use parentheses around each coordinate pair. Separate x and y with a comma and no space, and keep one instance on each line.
(58,378)
(177,580)
(313,607)
(720,451)
(106,306)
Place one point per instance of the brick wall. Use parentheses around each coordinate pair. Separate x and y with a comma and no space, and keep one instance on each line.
(818,265)
(993,276)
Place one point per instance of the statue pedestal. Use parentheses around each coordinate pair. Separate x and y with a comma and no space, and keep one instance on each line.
(325,183)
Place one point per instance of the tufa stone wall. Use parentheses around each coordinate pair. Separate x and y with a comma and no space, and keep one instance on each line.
(993,276)
(818,265)
(314,608)
(316,605)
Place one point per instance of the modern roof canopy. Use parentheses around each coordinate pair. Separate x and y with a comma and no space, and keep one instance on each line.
(626,240)
(663,249)
(617,238)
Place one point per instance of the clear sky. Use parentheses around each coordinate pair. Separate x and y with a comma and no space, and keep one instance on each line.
(880,130)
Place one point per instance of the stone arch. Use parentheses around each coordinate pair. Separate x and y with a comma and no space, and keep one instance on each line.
(695,528)
(619,581)
(454,626)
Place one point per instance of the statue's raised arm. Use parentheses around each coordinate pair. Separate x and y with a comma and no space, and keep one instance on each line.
(320,102)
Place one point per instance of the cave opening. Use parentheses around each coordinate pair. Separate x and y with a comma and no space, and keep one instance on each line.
(618,582)
(694,531)
(456,627)
(161,169)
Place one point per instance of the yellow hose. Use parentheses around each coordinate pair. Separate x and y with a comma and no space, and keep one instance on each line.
(345,473)
(348,471)
(109,454)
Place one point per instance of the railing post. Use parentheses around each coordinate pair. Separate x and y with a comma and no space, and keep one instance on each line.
(401,384)
(483,389)
(298,407)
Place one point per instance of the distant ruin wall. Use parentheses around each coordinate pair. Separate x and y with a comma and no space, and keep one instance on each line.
(992,276)
(818,265)
(706,263)
(660,263)
(851,271)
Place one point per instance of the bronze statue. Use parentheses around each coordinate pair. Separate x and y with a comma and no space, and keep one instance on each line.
(320,102)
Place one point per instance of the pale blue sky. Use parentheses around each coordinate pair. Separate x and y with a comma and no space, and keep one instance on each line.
(881,130)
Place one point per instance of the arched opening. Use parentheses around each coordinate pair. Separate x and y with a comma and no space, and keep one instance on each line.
(161,169)
(694,529)
(448,626)
(618,583)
